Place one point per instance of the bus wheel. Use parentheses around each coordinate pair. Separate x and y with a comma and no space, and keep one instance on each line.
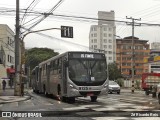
(71,99)
(45,92)
(60,97)
(93,98)
(34,90)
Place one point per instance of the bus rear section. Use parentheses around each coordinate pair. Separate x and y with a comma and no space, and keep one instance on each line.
(150,82)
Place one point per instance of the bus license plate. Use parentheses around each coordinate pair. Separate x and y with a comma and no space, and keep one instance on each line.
(90,94)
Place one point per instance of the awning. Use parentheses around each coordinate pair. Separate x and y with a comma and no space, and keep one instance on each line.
(10,70)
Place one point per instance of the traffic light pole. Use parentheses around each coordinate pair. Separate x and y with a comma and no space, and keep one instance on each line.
(17,53)
(23,54)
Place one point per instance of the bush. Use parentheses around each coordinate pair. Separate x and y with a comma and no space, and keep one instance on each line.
(120,82)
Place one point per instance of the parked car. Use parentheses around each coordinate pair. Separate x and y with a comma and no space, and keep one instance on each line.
(114,87)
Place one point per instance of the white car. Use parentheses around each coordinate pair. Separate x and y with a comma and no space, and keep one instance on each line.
(114,87)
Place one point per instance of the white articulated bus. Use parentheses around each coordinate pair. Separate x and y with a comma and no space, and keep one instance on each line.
(72,74)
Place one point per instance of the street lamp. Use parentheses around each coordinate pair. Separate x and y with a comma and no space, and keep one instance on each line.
(23,54)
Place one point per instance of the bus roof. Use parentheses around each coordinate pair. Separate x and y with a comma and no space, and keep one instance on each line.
(66,53)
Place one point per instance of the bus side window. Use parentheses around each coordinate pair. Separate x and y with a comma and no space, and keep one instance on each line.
(51,67)
(60,66)
(55,67)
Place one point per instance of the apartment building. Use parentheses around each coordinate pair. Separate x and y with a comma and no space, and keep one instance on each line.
(154,66)
(124,56)
(7,47)
(102,36)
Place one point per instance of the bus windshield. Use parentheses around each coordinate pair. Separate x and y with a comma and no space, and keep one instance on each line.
(87,71)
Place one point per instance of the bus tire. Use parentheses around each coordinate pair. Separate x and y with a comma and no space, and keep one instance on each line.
(71,100)
(93,98)
(34,91)
(44,90)
(60,97)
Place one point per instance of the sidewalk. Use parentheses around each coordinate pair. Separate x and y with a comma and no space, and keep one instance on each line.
(128,90)
(7,96)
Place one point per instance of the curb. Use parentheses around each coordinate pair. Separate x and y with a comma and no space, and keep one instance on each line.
(28,96)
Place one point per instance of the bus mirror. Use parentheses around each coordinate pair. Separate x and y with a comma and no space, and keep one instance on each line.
(66,63)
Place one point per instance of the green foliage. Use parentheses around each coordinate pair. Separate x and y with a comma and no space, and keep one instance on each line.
(35,56)
(120,82)
(114,72)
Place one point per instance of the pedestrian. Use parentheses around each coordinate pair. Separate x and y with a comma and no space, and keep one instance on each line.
(4,84)
(22,89)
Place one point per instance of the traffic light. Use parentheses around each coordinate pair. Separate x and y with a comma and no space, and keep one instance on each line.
(67,31)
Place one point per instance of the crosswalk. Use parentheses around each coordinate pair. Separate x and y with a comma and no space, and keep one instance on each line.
(105,102)
(111,107)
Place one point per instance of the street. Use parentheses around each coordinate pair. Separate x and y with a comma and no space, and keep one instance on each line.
(113,105)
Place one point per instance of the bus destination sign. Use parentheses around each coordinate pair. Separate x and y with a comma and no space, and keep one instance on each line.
(87,55)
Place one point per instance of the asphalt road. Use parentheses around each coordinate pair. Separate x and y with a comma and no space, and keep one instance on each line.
(112,107)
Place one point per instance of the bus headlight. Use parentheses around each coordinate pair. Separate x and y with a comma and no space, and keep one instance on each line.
(71,86)
(106,85)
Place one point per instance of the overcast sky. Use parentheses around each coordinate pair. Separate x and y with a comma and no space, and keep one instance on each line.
(147,10)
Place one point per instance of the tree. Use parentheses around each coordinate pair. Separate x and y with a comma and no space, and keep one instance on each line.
(114,72)
(34,56)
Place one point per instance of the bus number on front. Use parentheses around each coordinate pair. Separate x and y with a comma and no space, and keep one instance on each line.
(84,88)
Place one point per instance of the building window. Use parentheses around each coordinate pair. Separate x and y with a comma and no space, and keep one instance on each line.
(95,40)
(110,58)
(110,46)
(110,29)
(118,58)
(105,40)
(92,46)
(95,34)
(105,46)
(95,29)
(110,41)
(95,46)
(105,34)
(105,29)
(110,52)
(110,35)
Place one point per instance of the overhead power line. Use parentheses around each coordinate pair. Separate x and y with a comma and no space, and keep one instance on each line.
(46,15)
(96,19)
(30,7)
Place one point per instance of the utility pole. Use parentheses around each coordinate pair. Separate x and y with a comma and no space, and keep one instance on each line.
(17,87)
(133,52)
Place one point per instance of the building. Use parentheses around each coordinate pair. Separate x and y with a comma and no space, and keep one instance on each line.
(102,36)
(124,56)
(154,63)
(7,53)
(155,45)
